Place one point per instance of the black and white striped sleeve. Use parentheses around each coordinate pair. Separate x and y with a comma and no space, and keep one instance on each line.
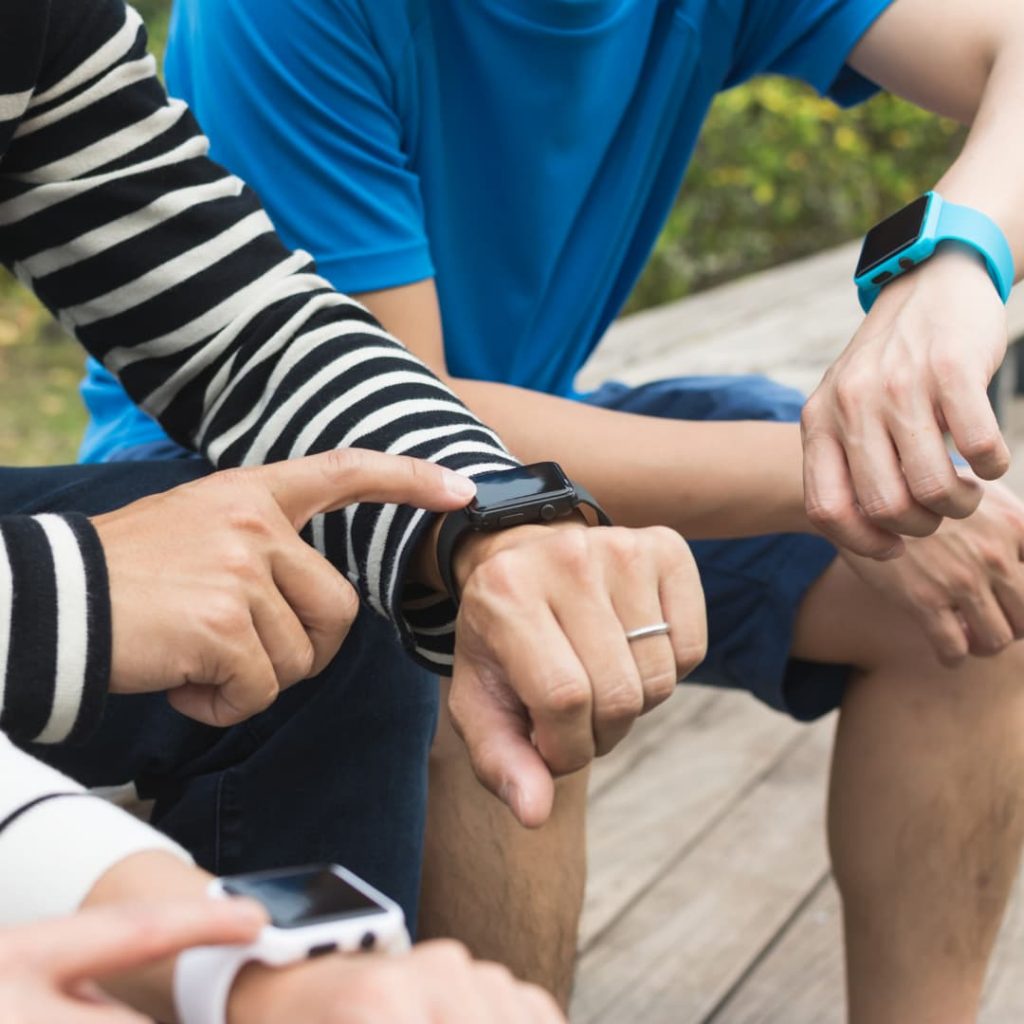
(57,840)
(54,627)
(168,270)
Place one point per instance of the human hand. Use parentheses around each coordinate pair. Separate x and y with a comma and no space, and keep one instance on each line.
(965,584)
(47,971)
(544,677)
(217,599)
(437,983)
(875,461)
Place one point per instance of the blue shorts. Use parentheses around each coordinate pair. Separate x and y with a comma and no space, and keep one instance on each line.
(753,586)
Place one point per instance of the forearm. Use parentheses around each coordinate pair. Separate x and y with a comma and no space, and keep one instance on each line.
(704,479)
(989,174)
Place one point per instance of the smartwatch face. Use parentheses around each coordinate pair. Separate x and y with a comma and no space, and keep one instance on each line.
(297,898)
(523,485)
(892,236)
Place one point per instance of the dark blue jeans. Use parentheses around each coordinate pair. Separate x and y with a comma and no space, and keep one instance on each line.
(334,771)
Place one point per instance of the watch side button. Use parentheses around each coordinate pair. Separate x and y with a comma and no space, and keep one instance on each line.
(907,264)
(513,519)
(548,512)
(322,950)
(367,942)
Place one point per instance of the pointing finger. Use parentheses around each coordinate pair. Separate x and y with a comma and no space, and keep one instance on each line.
(324,483)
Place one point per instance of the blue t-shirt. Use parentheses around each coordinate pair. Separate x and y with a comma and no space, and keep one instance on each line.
(525,153)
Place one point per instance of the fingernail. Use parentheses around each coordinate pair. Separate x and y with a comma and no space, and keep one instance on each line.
(459,486)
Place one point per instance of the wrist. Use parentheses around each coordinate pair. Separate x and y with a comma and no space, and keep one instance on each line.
(478,548)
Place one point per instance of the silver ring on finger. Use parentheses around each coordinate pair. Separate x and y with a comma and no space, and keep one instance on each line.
(657,629)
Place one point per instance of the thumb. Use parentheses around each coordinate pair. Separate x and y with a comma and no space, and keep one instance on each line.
(495,727)
(324,483)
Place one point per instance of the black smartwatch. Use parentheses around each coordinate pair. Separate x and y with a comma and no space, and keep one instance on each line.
(511,497)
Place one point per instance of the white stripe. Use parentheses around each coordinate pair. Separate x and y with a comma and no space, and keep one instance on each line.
(113,147)
(333,410)
(173,272)
(120,78)
(6,613)
(244,302)
(227,378)
(72,629)
(441,660)
(13,104)
(229,375)
(42,198)
(300,347)
(109,53)
(123,229)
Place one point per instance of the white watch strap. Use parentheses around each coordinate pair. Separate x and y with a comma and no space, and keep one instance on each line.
(202,982)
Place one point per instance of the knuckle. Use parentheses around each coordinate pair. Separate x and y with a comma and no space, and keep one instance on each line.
(848,392)
(622,704)
(932,490)
(225,615)
(251,521)
(899,384)
(690,652)
(983,444)
(500,575)
(827,512)
(574,551)
(242,562)
(660,687)
(566,695)
(887,507)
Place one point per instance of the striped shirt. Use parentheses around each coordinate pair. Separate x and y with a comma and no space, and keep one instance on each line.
(166,268)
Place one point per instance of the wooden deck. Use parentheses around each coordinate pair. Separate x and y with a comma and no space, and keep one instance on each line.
(709,899)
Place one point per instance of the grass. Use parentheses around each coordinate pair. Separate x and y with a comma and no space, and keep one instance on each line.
(41,414)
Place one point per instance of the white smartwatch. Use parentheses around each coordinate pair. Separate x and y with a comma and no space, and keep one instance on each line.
(313,911)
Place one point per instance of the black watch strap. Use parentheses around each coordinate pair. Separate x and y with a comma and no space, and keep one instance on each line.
(457,524)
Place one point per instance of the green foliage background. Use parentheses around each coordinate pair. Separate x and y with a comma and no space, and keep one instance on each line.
(779,173)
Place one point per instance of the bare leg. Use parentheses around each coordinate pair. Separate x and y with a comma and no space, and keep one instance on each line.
(511,895)
(925,821)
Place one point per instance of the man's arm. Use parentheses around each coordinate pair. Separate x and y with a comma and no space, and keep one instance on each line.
(921,364)
(702,479)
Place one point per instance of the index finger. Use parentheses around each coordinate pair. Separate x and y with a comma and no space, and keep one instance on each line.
(331,480)
(103,941)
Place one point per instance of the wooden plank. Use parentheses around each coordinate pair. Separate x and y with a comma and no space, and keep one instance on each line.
(649,735)
(788,323)
(678,950)
(800,978)
(680,789)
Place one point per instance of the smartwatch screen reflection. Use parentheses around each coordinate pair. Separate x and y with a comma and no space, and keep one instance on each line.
(295,899)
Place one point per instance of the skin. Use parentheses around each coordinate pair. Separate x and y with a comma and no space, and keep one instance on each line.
(914,627)
(244,608)
(437,983)
(48,971)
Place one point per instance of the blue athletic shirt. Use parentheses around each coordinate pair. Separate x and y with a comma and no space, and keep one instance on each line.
(525,153)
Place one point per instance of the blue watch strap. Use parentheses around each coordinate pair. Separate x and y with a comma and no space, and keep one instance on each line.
(947,223)
(979,232)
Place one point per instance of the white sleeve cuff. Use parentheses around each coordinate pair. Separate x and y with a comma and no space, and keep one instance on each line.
(56,840)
